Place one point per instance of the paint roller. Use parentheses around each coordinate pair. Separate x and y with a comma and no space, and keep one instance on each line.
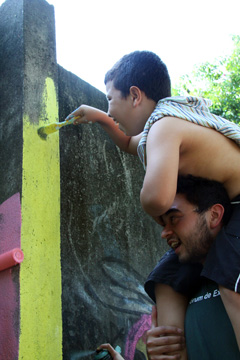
(11,258)
(46,130)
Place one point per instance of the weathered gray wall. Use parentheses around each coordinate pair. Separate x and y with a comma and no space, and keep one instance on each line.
(11,98)
(108,244)
(27,59)
(22,78)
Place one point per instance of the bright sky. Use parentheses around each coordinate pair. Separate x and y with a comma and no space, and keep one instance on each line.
(93,34)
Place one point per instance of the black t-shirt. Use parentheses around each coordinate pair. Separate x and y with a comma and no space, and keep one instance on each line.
(208,330)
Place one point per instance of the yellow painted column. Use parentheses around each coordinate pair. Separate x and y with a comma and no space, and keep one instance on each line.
(40,275)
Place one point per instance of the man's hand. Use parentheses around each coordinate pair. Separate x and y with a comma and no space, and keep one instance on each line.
(164,341)
(115,355)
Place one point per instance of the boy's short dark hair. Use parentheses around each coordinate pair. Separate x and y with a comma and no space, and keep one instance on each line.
(143,69)
(204,193)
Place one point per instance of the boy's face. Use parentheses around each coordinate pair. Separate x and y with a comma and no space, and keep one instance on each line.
(122,110)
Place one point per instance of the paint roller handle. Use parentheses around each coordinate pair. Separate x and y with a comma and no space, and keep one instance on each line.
(11,258)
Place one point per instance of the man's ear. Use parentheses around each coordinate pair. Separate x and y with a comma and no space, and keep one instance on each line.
(136,95)
(216,215)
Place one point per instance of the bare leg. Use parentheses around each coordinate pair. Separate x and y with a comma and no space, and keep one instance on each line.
(171,309)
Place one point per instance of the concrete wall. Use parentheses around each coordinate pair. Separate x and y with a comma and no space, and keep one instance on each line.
(108,244)
(30,174)
(88,245)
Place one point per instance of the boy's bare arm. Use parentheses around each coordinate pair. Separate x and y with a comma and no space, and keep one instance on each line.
(231,301)
(86,114)
(162,153)
(171,310)
(164,342)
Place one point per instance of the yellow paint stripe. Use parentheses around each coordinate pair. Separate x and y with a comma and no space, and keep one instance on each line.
(141,346)
(40,275)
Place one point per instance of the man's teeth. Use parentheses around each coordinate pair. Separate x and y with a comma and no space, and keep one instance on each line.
(175,244)
(116,122)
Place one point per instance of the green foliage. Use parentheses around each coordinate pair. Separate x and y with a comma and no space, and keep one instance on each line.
(219,82)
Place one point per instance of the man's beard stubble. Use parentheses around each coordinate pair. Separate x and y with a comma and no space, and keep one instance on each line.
(198,243)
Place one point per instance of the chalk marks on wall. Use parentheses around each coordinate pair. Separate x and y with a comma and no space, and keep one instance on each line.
(117,289)
(126,293)
(136,338)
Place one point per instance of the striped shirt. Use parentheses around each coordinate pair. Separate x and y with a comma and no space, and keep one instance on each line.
(192,109)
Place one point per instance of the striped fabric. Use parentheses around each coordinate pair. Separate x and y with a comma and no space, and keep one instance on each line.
(192,109)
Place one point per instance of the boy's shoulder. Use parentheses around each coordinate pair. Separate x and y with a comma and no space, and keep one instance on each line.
(171,124)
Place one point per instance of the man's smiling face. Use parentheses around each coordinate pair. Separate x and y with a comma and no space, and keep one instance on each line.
(186,231)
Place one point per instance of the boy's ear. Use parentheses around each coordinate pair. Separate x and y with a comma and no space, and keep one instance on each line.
(216,215)
(136,95)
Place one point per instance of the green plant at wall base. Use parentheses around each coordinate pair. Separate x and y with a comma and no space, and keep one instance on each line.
(219,82)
